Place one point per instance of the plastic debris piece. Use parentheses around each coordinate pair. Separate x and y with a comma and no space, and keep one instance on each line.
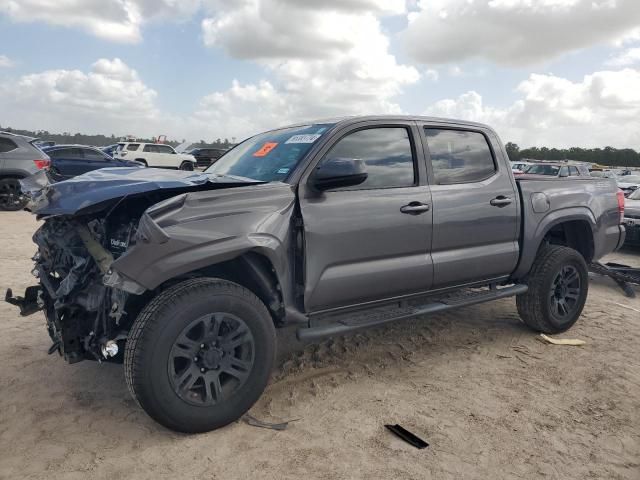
(407,436)
(254,422)
(562,341)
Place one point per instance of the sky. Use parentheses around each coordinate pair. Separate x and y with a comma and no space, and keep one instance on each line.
(555,73)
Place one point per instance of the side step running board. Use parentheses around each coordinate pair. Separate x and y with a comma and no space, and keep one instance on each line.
(372,318)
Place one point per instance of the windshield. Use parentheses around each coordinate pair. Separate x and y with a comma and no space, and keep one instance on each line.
(270,156)
(543,170)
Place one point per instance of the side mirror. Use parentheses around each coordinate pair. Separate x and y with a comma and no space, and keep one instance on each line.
(337,173)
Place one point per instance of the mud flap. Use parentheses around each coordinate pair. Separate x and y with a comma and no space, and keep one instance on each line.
(27,304)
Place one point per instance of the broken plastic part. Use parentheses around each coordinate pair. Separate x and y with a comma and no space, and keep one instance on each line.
(29,303)
(407,436)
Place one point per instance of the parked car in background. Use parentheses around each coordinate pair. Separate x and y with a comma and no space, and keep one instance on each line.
(206,156)
(629,183)
(558,170)
(110,149)
(155,155)
(632,218)
(603,173)
(68,161)
(520,167)
(19,158)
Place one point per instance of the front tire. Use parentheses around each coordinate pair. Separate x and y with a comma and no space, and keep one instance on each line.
(558,288)
(200,354)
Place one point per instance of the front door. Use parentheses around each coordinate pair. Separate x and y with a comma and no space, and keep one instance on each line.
(371,241)
(475,206)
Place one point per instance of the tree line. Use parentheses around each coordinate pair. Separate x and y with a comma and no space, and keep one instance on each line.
(607,156)
(104,140)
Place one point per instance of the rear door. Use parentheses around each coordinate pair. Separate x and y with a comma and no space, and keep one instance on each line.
(361,243)
(475,205)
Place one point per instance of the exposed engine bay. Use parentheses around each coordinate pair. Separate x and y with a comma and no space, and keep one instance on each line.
(84,316)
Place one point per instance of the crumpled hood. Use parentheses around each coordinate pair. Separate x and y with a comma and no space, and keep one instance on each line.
(94,188)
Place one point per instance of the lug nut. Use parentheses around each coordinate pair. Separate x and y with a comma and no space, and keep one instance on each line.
(202,345)
(202,370)
(195,359)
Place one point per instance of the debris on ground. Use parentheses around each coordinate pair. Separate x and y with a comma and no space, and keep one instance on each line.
(561,341)
(254,422)
(624,275)
(407,436)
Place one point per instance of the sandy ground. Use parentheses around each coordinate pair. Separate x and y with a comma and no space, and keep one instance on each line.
(492,401)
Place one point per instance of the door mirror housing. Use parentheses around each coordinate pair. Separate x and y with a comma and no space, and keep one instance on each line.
(337,173)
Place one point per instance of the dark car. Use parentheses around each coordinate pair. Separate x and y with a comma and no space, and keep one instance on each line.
(110,149)
(206,157)
(67,161)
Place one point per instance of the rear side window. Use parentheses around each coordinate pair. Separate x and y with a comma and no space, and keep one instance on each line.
(133,147)
(386,152)
(94,156)
(459,156)
(6,145)
(573,172)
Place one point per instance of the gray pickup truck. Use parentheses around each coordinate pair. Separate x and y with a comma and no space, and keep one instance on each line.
(332,226)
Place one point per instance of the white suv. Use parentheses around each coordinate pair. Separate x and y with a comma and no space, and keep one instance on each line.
(155,155)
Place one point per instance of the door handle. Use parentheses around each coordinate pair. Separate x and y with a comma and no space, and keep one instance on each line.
(415,208)
(500,201)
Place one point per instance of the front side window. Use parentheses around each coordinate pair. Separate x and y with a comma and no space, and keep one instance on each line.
(386,152)
(459,156)
(6,145)
(573,171)
(270,156)
(132,147)
(164,149)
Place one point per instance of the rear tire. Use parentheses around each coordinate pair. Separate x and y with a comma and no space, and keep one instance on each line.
(200,354)
(558,287)
(11,198)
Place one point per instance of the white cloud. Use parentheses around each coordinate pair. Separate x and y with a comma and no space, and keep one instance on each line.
(114,20)
(515,32)
(627,58)
(328,60)
(109,98)
(5,62)
(602,109)
(432,74)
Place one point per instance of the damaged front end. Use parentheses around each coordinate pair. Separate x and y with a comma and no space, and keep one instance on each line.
(89,222)
(84,316)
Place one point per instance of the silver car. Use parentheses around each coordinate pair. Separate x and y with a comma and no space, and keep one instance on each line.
(19,158)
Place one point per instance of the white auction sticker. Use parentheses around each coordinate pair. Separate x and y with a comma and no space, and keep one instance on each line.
(308,138)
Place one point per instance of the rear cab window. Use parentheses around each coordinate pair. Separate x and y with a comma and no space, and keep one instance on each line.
(459,156)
